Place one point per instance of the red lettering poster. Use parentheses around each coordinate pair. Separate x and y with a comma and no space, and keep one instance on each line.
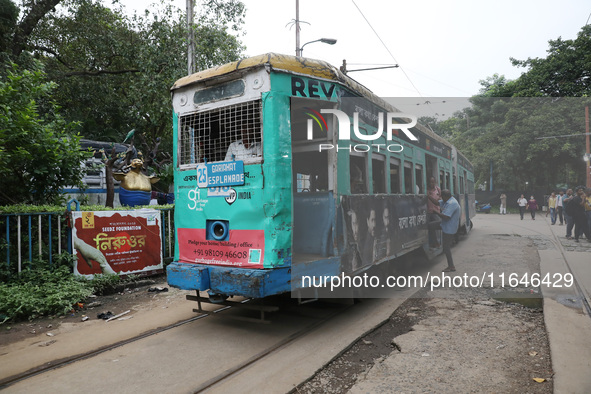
(117,242)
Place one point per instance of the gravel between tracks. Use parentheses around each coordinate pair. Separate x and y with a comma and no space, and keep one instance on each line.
(458,340)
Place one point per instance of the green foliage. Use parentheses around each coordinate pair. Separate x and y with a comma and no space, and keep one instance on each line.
(520,126)
(566,71)
(40,151)
(115,71)
(104,283)
(8,18)
(41,293)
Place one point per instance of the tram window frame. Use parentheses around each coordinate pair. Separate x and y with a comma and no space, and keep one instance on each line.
(470,186)
(378,173)
(208,135)
(419,177)
(395,179)
(358,185)
(408,178)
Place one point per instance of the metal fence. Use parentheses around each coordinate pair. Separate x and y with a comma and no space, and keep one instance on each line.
(26,237)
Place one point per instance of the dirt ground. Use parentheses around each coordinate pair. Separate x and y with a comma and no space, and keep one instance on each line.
(134,297)
(456,340)
(452,344)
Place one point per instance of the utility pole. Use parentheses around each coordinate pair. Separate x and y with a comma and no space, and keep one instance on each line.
(588,161)
(297,28)
(190,39)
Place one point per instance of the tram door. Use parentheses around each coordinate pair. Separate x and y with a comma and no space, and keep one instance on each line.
(431,167)
(313,207)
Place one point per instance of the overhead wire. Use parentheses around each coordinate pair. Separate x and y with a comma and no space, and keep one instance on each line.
(386,47)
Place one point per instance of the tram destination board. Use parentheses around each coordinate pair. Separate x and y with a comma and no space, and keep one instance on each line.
(229,173)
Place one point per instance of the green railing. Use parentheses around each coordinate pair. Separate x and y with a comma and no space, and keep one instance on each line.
(25,237)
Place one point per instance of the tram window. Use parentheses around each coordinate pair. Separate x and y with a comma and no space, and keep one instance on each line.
(408,184)
(442,180)
(394,176)
(470,187)
(419,178)
(310,171)
(358,172)
(228,133)
(447,181)
(378,173)
(461,185)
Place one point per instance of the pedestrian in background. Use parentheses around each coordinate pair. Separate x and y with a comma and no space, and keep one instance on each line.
(503,204)
(522,202)
(588,210)
(532,206)
(568,214)
(552,208)
(560,206)
(577,209)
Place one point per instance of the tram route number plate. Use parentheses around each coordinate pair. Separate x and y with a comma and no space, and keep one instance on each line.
(227,173)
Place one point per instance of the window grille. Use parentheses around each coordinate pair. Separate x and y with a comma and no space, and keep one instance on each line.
(222,134)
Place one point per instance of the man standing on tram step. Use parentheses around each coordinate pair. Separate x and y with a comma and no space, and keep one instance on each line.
(450,220)
(522,202)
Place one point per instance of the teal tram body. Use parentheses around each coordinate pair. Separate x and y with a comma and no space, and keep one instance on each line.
(273,182)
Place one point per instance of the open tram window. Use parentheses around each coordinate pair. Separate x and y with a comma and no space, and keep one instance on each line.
(310,171)
(229,133)
(378,172)
(408,183)
(358,174)
(394,176)
(419,178)
(442,184)
(447,181)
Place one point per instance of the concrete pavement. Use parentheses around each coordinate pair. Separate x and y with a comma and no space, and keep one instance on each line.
(566,311)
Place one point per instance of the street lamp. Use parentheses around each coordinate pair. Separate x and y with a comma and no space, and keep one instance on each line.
(329,41)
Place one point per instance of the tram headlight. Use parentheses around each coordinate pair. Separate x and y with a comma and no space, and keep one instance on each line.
(217,230)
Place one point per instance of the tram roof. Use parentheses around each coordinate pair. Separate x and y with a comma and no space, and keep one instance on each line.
(295,65)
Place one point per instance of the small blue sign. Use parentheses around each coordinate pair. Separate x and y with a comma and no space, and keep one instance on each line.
(228,173)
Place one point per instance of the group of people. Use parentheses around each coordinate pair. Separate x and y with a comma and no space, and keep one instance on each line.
(574,209)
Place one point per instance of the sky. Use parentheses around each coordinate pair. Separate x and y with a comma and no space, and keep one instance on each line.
(443,48)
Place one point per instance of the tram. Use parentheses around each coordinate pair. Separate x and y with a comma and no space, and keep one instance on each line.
(286,167)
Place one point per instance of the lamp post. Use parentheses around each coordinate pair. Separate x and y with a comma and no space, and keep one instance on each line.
(329,41)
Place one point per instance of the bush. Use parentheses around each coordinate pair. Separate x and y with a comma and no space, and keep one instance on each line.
(40,293)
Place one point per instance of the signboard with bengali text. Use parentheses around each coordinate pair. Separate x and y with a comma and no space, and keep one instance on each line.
(117,242)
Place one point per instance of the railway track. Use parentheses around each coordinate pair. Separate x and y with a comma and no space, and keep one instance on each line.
(70,361)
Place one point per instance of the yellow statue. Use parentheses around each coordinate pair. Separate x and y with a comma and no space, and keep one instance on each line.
(136,186)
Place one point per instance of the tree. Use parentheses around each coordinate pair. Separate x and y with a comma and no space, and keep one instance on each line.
(566,71)
(115,71)
(40,152)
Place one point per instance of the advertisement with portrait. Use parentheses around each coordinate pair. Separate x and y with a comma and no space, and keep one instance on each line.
(382,227)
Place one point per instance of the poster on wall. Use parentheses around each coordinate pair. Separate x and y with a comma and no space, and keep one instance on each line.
(117,242)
